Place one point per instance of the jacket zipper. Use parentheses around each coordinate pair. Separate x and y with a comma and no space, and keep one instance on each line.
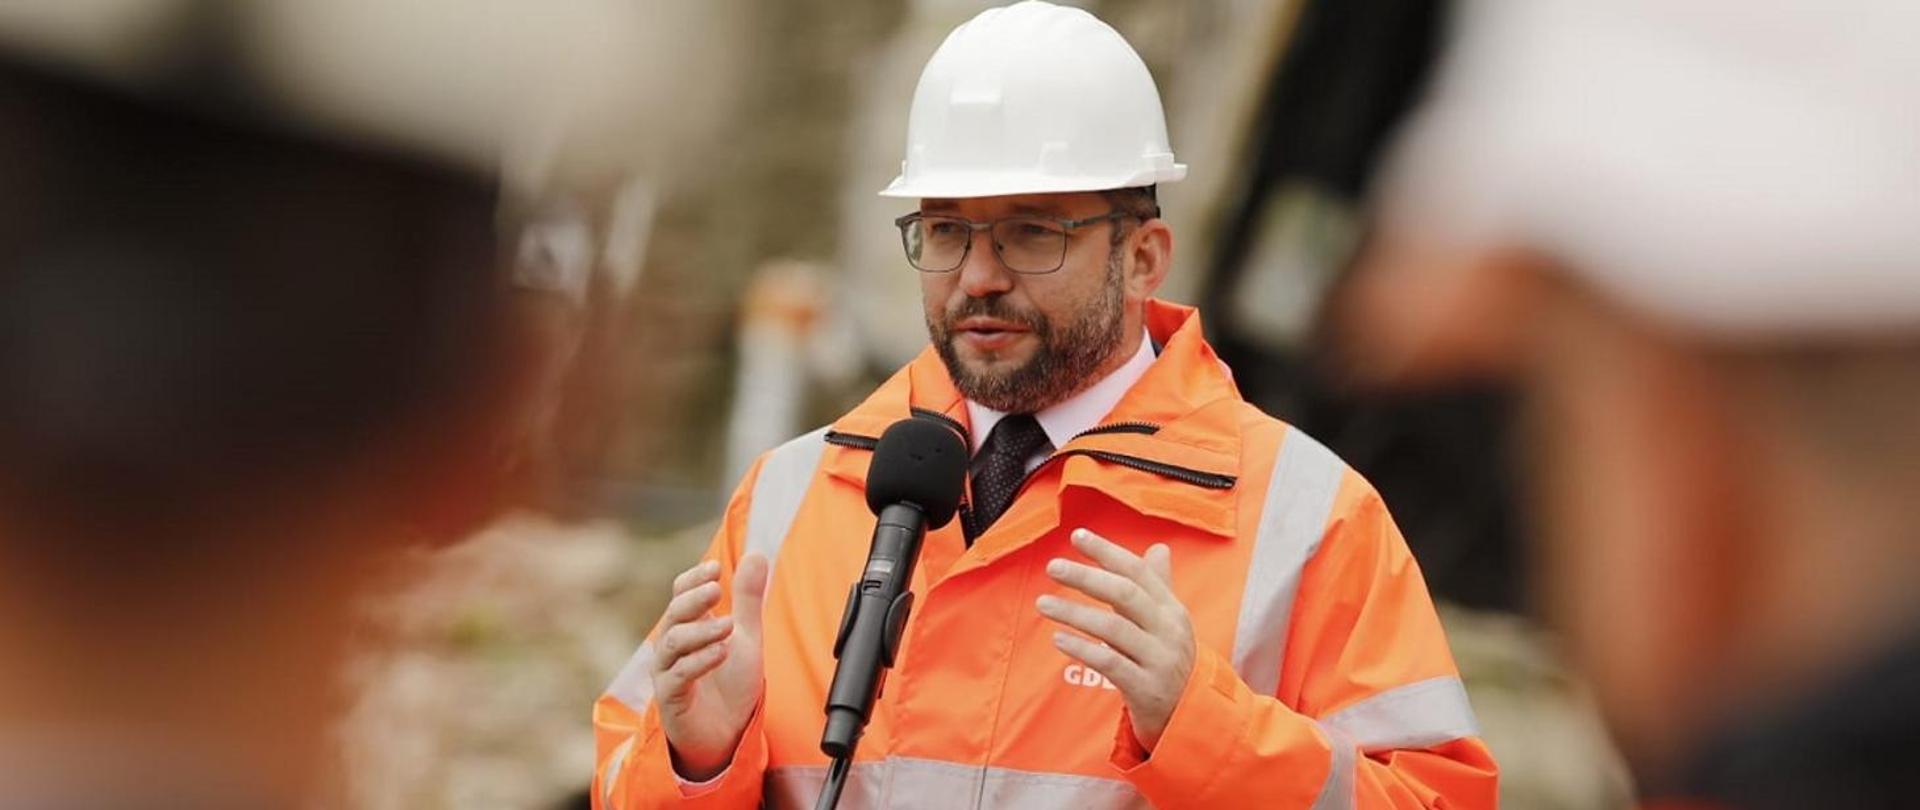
(942,419)
(852,440)
(1176,472)
(1142,428)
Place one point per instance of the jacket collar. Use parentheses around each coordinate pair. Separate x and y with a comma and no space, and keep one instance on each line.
(1187,398)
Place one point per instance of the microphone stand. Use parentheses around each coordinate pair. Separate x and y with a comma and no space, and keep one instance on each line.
(836,781)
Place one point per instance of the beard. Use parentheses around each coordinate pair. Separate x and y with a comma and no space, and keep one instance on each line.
(1062,365)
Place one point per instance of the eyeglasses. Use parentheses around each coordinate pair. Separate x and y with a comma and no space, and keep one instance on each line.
(1025,244)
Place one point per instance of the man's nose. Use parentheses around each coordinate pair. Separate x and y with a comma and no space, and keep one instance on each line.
(982,274)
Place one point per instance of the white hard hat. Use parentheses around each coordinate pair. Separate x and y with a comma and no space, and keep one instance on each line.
(1034,98)
(1733,167)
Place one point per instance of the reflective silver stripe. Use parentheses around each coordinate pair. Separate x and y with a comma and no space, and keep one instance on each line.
(633,684)
(1306,476)
(1337,792)
(612,773)
(780,488)
(1008,788)
(1421,714)
(799,786)
(924,784)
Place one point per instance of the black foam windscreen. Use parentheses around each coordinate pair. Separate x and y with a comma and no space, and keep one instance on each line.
(921,462)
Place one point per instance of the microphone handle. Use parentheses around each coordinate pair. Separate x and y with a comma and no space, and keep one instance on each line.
(870,630)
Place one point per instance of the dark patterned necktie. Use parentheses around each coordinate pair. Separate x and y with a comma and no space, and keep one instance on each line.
(1000,467)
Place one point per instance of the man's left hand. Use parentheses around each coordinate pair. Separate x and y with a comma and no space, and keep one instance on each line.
(1144,646)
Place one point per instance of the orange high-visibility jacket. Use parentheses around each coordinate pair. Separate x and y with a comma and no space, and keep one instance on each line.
(1322,677)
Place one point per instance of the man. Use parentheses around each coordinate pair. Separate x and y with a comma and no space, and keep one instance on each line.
(1155,594)
(1687,232)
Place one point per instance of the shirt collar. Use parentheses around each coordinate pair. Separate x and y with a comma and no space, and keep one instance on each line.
(1080,412)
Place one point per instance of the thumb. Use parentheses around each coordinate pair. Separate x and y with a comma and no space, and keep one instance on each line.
(1160,559)
(750,591)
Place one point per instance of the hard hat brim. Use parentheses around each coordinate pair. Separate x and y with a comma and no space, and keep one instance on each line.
(960,186)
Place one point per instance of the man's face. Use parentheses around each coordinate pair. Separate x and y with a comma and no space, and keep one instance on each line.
(1018,342)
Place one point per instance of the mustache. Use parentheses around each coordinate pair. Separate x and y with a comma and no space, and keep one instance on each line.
(994,307)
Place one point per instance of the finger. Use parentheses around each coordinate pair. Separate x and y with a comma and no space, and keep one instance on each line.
(698,575)
(693,604)
(1125,595)
(1160,559)
(1109,554)
(1113,557)
(686,639)
(1103,625)
(750,591)
(1126,676)
(677,679)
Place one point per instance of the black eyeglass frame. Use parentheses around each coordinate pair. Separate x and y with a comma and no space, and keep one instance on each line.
(906,221)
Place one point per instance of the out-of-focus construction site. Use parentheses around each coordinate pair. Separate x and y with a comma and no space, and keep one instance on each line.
(696,268)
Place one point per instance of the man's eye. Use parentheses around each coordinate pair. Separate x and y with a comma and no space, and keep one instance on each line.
(943,228)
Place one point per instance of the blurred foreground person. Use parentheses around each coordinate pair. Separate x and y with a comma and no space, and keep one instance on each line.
(1155,594)
(235,363)
(1690,233)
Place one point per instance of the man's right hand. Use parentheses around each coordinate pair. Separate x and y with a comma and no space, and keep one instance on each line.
(707,673)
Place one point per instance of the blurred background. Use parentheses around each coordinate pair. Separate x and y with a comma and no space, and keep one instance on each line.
(692,266)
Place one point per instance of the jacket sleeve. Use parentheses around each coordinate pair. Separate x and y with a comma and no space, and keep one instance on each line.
(1369,711)
(632,766)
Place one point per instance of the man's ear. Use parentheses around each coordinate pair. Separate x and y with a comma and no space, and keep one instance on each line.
(1150,257)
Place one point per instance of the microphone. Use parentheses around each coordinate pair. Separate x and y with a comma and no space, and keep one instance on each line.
(913,484)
